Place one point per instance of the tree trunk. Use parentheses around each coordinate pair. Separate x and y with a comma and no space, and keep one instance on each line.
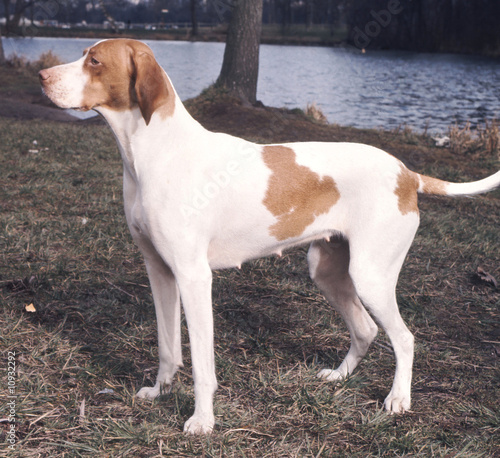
(286,12)
(20,6)
(108,16)
(309,14)
(194,18)
(2,54)
(240,67)
(6,8)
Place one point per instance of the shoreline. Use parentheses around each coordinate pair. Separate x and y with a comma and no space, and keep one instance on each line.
(316,37)
(21,99)
(272,35)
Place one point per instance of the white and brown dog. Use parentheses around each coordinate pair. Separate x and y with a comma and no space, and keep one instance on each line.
(197,201)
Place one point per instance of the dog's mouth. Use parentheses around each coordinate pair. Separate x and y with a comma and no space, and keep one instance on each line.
(58,101)
(58,96)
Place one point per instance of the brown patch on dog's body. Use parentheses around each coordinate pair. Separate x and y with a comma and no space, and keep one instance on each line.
(406,191)
(295,194)
(433,186)
(127,76)
(410,183)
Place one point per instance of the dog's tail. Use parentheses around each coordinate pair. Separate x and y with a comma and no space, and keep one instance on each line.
(428,185)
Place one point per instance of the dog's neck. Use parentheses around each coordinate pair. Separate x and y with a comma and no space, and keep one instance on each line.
(140,141)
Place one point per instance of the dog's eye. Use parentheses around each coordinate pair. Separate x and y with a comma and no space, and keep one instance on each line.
(94,61)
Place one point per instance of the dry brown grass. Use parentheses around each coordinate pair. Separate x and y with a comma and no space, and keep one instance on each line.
(22,64)
(483,139)
(315,113)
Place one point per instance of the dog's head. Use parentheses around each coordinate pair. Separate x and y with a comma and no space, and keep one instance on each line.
(113,74)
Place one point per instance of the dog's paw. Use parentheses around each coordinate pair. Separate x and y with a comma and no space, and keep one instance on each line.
(331,375)
(397,403)
(199,424)
(149,392)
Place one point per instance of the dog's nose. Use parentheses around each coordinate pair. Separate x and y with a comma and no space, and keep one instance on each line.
(43,75)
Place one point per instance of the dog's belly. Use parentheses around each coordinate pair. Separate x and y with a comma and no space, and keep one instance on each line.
(251,236)
(225,254)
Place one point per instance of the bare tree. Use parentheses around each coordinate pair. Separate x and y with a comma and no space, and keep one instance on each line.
(309,14)
(2,54)
(13,19)
(285,6)
(240,67)
(108,16)
(194,18)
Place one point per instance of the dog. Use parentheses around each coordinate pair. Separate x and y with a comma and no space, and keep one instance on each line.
(196,201)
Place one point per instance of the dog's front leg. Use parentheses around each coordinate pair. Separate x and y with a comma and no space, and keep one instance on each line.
(164,288)
(168,317)
(195,284)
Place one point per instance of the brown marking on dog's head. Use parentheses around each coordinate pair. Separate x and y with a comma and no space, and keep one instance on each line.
(295,194)
(406,191)
(124,73)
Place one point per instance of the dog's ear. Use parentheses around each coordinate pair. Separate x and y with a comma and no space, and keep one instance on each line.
(149,85)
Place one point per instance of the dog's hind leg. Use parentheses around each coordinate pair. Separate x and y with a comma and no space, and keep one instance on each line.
(377,254)
(329,268)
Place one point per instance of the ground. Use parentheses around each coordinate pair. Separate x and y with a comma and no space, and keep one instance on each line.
(21,97)
(76,314)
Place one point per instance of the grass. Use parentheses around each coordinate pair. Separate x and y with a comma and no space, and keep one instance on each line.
(65,248)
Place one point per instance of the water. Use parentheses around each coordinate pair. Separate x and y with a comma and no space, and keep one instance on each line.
(376,89)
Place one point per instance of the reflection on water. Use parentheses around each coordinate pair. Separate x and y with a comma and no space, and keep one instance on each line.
(376,89)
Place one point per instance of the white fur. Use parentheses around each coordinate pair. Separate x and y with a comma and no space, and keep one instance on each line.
(194,202)
(69,82)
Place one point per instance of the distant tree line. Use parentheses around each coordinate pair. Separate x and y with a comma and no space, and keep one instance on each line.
(285,12)
(420,25)
(426,25)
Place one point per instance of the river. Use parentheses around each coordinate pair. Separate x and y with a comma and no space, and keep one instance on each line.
(376,89)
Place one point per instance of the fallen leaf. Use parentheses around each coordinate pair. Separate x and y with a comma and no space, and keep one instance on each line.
(486,277)
(107,391)
(30,308)
(82,412)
